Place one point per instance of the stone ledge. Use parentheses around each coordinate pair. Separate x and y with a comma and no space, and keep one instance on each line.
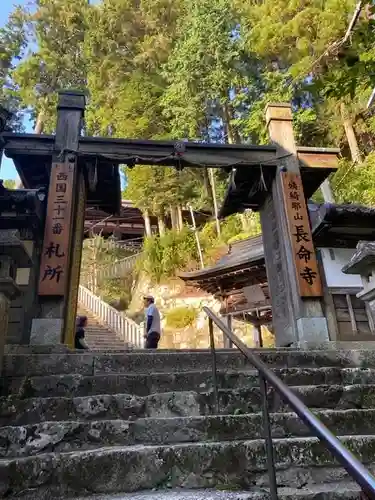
(46,331)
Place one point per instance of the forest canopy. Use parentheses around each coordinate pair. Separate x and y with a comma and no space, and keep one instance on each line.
(201,70)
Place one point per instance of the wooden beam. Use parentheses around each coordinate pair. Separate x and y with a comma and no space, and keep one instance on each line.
(314,159)
(120,151)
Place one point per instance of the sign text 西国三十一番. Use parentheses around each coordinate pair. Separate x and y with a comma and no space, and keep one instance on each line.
(53,269)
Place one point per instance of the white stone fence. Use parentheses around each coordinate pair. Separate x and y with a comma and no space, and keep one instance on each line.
(127,329)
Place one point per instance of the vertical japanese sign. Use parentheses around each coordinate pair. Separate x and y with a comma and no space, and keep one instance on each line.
(306,265)
(54,259)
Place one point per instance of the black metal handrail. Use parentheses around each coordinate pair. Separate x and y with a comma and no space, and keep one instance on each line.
(352,465)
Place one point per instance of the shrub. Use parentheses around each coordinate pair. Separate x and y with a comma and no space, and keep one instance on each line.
(181,317)
(117,292)
(355,183)
(163,256)
(230,227)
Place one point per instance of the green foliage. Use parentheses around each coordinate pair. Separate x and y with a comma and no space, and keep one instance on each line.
(240,237)
(231,226)
(203,70)
(97,254)
(12,45)
(159,188)
(117,292)
(9,184)
(353,183)
(180,317)
(99,251)
(58,27)
(164,255)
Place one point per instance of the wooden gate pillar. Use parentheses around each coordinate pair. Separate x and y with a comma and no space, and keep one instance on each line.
(292,270)
(63,235)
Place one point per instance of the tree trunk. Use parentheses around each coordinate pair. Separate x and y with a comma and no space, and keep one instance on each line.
(207,188)
(350,134)
(95,268)
(216,210)
(180,218)
(39,125)
(232,134)
(174,218)
(161,225)
(243,222)
(146,217)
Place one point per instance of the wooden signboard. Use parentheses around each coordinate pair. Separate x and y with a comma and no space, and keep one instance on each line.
(305,262)
(55,256)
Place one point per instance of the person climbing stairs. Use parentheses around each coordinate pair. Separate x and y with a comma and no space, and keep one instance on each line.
(100,337)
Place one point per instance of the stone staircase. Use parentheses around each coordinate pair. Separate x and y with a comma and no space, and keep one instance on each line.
(142,424)
(100,337)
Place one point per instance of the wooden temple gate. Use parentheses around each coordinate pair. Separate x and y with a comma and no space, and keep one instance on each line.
(83,171)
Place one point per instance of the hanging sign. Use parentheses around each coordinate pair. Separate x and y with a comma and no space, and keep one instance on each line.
(305,261)
(54,259)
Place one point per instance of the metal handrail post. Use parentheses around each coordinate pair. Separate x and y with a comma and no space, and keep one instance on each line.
(214,365)
(267,434)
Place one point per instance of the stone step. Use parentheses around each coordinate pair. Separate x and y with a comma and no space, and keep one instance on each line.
(340,491)
(200,381)
(101,333)
(83,435)
(105,340)
(14,349)
(103,344)
(239,464)
(99,336)
(151,362)
(16,411)
(98,330)
(110,349)
(245,401)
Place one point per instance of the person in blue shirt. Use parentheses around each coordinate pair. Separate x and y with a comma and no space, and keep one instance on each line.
(153,327)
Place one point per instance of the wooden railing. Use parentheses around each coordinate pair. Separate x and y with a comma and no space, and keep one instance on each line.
(118,269)
(126,328)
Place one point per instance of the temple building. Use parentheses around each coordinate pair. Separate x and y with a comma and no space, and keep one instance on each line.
(239,279)
(129,223)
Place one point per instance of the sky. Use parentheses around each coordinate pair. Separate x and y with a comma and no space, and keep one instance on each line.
(6,6)
(7,169)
